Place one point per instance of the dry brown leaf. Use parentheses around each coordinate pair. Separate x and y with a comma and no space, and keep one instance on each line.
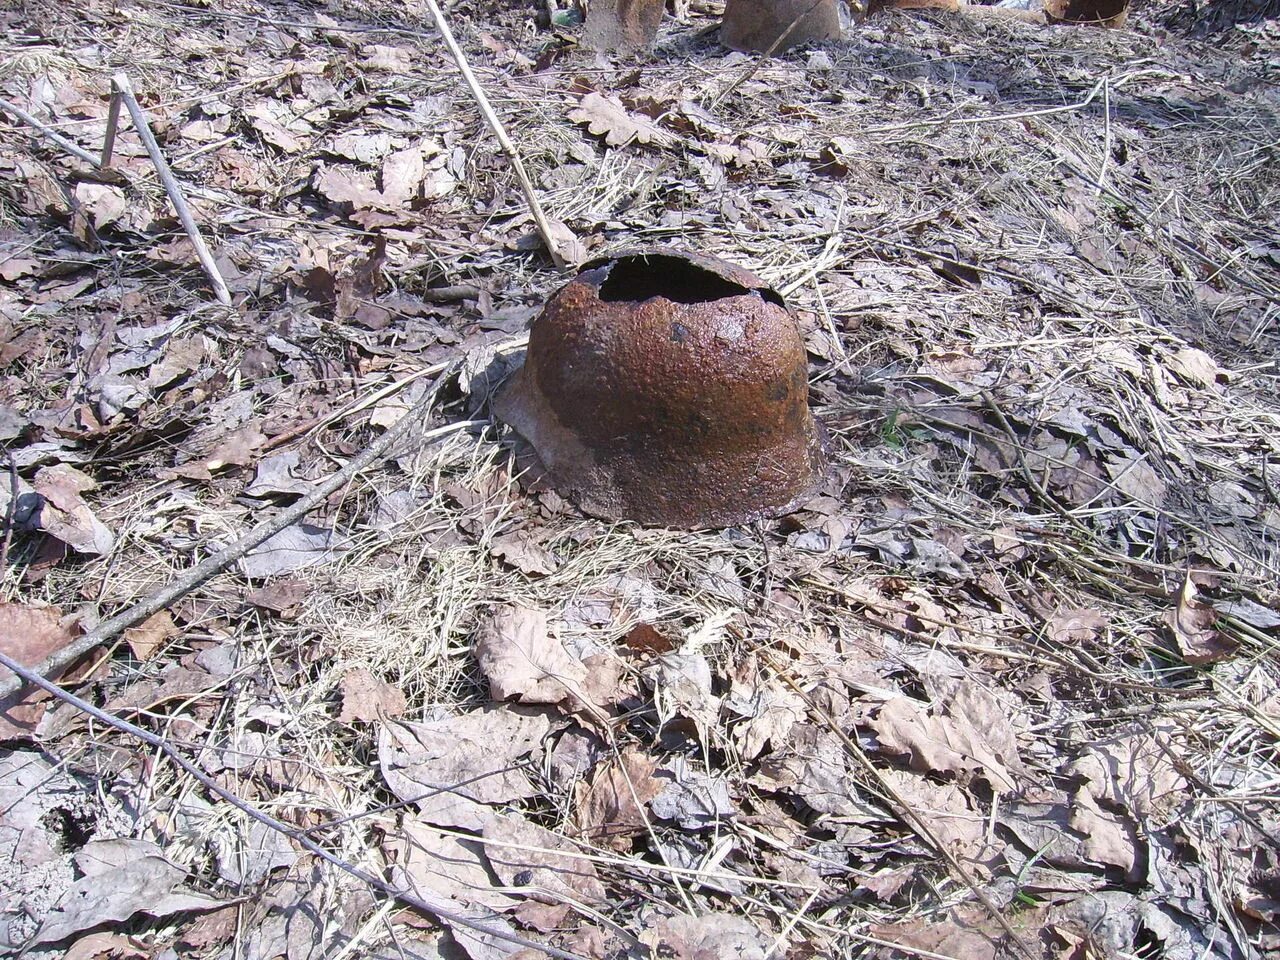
(64,514)
(770,710)
(1131,771)
(451,768)
(147,637)
(607,117)
(522,659)
(361,147)
(947,811)
(268,118)
(283,597)
(1070,627)
(607,808)
(528,857)
(646,638)
(29,635)
(399,60)
(352,187)
(543,917)
(120,878)
(104,946)
(1109,838)
(402,174)
(1193,623)
(1196,367)
(934,743)
(100,203)
(15,268)
(568,245)
(444,869)
(366,698)
(519,549)
(962,934)
(707,936)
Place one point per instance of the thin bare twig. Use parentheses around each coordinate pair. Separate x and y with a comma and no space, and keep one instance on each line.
(10,513)
(183,584)
(499,131)
(298,836)
(122,90)
(49,133)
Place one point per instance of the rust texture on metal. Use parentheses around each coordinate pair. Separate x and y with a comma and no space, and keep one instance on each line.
(754,25)
(622,26)
(671,389)
(1100,13)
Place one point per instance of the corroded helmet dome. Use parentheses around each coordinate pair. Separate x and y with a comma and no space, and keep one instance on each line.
(668,388)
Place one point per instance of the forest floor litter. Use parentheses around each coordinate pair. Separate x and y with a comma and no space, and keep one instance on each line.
(1007,686)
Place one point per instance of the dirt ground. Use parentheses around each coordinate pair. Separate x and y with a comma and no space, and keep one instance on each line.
(1006,687)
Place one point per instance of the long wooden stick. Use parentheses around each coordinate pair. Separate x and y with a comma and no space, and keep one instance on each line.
(184,583)
(122,90)
(49,133)
(482,101)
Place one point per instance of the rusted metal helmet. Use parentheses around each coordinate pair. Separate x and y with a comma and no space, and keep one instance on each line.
(669,388)
(1098,13)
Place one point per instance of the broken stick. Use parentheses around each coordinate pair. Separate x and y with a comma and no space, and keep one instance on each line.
(122,91)
(526,185)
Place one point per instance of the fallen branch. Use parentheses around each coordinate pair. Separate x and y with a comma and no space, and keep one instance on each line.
(298,836)
(183,584)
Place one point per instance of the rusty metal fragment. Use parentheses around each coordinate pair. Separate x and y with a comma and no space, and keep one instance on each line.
(622,26)
(668,388)
(754,26)
(1100,13)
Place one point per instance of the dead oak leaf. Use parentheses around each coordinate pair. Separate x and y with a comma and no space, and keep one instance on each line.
(147,637)
(1070,627)
(65,516)
(351,187)
(1132,771)
(445,869)
(523,660)
(1193,623)
(610,809)
(607,117)
(398,60)
(365,698)
(29,635)
(527,855)
(947,811)
(100,204)
(968,932)
(521,550)
(707,935)
(121,878)
(1109,838)
(402,174)
(936,743)
(452,768)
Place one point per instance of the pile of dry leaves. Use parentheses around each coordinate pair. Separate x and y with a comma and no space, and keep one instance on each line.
(1007,687)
